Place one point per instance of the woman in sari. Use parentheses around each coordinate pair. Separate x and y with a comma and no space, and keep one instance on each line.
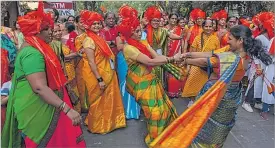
(174,86)
(131,107)
(208,122)
(157,37)
(197,77)
(106,112)
(198,16)
(39,107)
(67,59)
(83,94)
(142,83)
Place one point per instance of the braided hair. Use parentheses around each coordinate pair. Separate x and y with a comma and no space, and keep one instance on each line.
(252,46)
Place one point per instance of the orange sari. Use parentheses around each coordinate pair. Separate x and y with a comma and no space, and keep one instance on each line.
(198,77)
(106,112)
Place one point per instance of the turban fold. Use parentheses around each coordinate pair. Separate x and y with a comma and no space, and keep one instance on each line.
(128,25)
(152,12)
(215,16)
(87,18)
(197,13)
(127,11)
(35,21)
(222,14)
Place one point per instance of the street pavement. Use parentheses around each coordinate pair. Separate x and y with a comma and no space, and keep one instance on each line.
(250,131)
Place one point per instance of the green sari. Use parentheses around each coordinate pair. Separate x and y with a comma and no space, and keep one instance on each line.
(160,42)
(150,95)
(26,111)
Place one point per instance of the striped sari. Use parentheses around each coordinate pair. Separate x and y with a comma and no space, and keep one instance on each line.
(209,120)
(149,93)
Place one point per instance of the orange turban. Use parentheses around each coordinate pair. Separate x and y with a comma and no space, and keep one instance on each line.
(197,13)
(128,25)
(127,11)
(152,12)
(215,16)
(35,21)
(87,18)
(222,14)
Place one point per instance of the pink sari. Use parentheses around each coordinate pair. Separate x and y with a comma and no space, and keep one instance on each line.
(64,134)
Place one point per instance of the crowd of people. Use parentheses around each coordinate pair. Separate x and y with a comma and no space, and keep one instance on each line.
(114,67)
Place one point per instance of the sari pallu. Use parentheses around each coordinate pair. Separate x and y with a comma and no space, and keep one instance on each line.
(147,89)
(106,112)
(157,39)
(202,120)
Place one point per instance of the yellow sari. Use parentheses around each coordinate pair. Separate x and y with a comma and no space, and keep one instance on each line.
(106,112)
(70,73)
(198,77)
(79,78)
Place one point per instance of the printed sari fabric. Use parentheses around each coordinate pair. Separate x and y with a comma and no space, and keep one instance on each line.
(106,112)
(159,44)
(174,86)
(209,120)
(41,123)
(198,77)
(8,45)
(81,86)
(149,93)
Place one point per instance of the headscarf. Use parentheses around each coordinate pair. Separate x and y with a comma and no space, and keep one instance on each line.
(87,18)
(30,25)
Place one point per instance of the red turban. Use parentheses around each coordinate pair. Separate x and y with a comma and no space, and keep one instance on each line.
(197,13)
(35,21)
(222,14)
(255,20)
(269,26)
(127,11)
(245,22)
(128,25)
(264,16)
(215,16)
(152,12)
(87,18)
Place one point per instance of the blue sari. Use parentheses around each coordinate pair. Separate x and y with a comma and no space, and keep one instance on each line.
(131,107)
